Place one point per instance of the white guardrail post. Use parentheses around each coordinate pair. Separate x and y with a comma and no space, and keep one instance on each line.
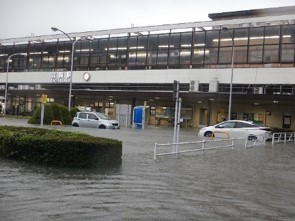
(155,151)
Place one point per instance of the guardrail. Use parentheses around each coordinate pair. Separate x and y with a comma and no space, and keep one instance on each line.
(283,137)
(256,140)
(203,145)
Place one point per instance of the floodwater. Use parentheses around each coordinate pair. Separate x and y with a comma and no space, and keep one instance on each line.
(255,183)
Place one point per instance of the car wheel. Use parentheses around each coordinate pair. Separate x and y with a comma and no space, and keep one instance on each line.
(208,134)
(102,127)
(75,125)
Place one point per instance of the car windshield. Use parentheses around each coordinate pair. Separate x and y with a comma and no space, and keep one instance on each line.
(103,116)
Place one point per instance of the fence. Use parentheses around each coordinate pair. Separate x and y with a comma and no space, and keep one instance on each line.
(256,140)
(198,146)
(283,137)
(203,145)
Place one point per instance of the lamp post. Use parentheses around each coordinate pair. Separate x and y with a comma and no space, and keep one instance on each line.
(72,61)
(232,72)
(6,83)
(72,64)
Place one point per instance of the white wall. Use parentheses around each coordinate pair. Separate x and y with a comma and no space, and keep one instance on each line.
(241,76)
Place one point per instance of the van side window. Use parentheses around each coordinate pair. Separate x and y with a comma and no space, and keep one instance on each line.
(82,115)
(92,117)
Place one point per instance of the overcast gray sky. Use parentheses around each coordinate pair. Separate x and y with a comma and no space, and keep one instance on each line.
(20,18)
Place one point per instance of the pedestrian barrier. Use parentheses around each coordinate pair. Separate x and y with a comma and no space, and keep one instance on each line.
(198,146)
(283,137)
(256,140)
(56,122)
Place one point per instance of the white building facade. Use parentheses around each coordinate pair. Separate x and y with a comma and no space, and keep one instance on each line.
(138,65)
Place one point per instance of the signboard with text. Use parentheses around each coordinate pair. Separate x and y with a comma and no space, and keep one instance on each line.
(61,77)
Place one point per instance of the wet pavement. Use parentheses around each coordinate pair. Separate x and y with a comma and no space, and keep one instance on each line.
(255,183)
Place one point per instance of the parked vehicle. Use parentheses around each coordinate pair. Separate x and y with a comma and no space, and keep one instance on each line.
(95,120)
(236,129)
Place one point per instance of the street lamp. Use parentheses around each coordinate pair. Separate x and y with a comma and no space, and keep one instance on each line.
(72,61)
(232,72)
(6,83)
(72,64)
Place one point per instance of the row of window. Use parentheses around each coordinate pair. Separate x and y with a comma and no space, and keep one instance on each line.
(253,45)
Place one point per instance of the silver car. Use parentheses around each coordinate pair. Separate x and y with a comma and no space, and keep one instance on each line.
(95,120)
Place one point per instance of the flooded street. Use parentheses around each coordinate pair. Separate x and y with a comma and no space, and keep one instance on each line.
(256,183)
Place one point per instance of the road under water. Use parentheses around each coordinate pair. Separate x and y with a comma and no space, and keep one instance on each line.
(255,183)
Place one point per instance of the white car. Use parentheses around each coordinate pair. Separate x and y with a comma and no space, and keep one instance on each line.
(94,119)
(236,129)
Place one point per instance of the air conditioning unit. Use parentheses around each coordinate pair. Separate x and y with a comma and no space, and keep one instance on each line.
(258,90)
(193,85)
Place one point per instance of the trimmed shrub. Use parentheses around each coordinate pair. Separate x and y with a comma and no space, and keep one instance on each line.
(73,111)
(58,148)
(51,112)
(282,130)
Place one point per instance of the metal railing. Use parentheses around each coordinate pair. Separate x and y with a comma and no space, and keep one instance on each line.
(256,140)
(283,137)
(198,146)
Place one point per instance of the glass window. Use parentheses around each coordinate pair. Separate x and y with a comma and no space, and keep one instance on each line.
(255,54)
(152,57)
(226,38)
(132,43)
(164,42)
(225,55)
(132,58)
(174,57)
(211,55)
(241,36)
(83,115)
(94,44)
(288,34)
(198,55)
(82,62)
(287,53)
(226,125)
(48,59)
(141,58)
(272,35)
(271,54)
(113,44)
(162,57)
(94,60)
(122,44)
(175,40)
(186,40)
(256,36)
(153,42)
(212,39)
(199,39)
(185,56)
(92,117)
(240,55)
(103,45)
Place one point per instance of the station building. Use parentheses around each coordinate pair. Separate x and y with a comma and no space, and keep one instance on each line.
(251,51)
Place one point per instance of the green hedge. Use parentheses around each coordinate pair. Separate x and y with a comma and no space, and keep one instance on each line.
(58,148)
(282,130)
(52,112)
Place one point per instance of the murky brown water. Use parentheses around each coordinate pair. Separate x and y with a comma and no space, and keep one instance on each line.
(241,184)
